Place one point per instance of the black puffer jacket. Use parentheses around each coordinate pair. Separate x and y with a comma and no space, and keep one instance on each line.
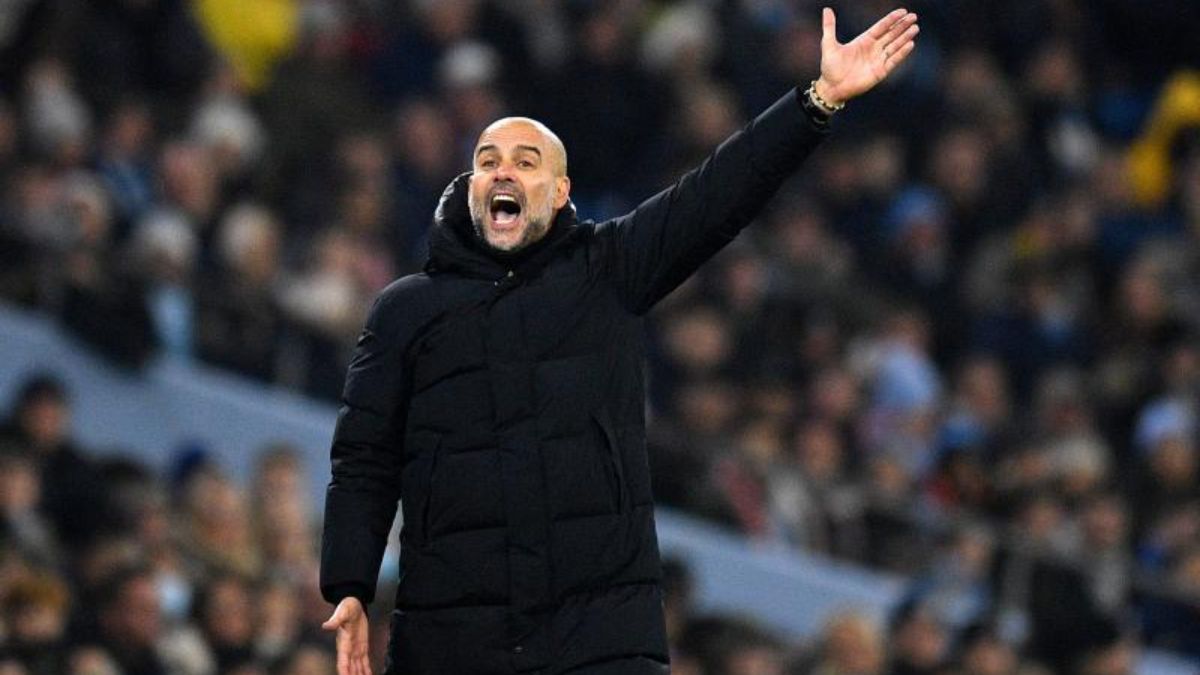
(500,400)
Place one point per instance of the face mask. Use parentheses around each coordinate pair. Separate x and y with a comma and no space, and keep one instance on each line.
(174,596)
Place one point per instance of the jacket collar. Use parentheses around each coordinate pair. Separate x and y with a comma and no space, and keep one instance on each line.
(455,247)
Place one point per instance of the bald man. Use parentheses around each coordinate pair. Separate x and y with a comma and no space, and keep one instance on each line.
(498,398)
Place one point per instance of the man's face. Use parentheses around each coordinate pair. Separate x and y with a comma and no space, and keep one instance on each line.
(518,184)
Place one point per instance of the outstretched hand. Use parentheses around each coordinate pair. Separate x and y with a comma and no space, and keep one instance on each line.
(350,621)
(851,69)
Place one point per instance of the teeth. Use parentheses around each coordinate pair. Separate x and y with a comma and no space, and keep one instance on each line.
(503,198)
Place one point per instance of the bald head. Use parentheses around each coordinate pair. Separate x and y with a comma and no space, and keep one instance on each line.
(552,148)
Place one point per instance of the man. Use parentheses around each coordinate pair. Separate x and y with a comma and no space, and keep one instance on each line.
(499,397)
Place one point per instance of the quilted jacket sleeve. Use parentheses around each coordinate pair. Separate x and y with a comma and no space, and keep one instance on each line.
(654,248)
(361,500)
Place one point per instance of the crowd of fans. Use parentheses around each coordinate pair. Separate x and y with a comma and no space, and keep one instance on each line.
(962,345)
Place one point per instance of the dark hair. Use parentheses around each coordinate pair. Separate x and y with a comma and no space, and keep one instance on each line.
(39,386)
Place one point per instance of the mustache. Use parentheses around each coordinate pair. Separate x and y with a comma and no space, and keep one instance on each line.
(508,188)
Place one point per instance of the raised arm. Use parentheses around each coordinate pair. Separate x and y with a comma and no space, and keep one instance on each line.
(651,250)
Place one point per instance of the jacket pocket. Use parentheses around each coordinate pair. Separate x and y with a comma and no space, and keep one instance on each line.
(430,492)
(614,467)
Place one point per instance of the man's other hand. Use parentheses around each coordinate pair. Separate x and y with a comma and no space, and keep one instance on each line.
(350,621)
(850,69)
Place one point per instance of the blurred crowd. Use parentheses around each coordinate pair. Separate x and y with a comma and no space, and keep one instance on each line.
(107,568)
(961,345)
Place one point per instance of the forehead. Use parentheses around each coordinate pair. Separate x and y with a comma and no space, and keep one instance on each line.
(505,135)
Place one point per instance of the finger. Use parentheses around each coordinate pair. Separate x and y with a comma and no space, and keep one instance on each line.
(907,37)
(828,27)
(898,30)
(881,26)
(899,55)
(343,660)
(335,620)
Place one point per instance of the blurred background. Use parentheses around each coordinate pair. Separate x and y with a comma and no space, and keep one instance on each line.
(936,412)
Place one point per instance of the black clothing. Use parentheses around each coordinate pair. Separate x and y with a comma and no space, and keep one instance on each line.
(239,325)
(501,399)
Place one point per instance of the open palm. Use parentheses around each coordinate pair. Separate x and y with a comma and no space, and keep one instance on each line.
(848,70)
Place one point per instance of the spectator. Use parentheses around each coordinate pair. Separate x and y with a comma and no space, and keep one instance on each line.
(41,426)
(228,619)
(239,323)
(851,644)
(217,528)
(22,524)
(920,642)
(130,622)
(35,614)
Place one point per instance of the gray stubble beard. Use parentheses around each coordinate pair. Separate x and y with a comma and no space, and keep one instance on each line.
(536,225)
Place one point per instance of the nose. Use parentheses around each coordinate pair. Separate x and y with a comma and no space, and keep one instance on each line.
(504,171)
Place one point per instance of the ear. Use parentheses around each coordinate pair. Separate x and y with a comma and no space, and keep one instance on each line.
(562,191)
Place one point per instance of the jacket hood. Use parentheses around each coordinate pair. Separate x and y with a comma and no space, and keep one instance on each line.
(455,246)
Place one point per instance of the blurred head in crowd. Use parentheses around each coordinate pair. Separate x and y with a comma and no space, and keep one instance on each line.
(92,660)
(707,407)
(279,623)
(34,611)
(981,391)
(819,450)
(218,524)
(919,642)
(1185,573)
(982,651)
(1105,521)
(698,340)
(128,131)
(1061,403)
(60,121)
(468,74)
(1165,434)
(518,184)
(422,134)
(308,660)
(249,243)
(744,281)
(189,178)
(852,644)
(130,618)
(282,510)
(958,165)
(164,247)
(1115,656)
(42,415)
(228,617)
(834,394)
(20,483)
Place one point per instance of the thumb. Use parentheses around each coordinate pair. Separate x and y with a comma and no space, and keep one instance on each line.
(828,28)
(335,620)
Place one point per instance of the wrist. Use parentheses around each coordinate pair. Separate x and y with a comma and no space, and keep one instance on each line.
(827,91)
(816,98)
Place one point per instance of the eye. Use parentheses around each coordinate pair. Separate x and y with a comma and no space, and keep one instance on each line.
(487,163)
(525,164)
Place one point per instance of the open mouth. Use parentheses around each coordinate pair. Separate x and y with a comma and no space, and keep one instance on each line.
(505,209)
